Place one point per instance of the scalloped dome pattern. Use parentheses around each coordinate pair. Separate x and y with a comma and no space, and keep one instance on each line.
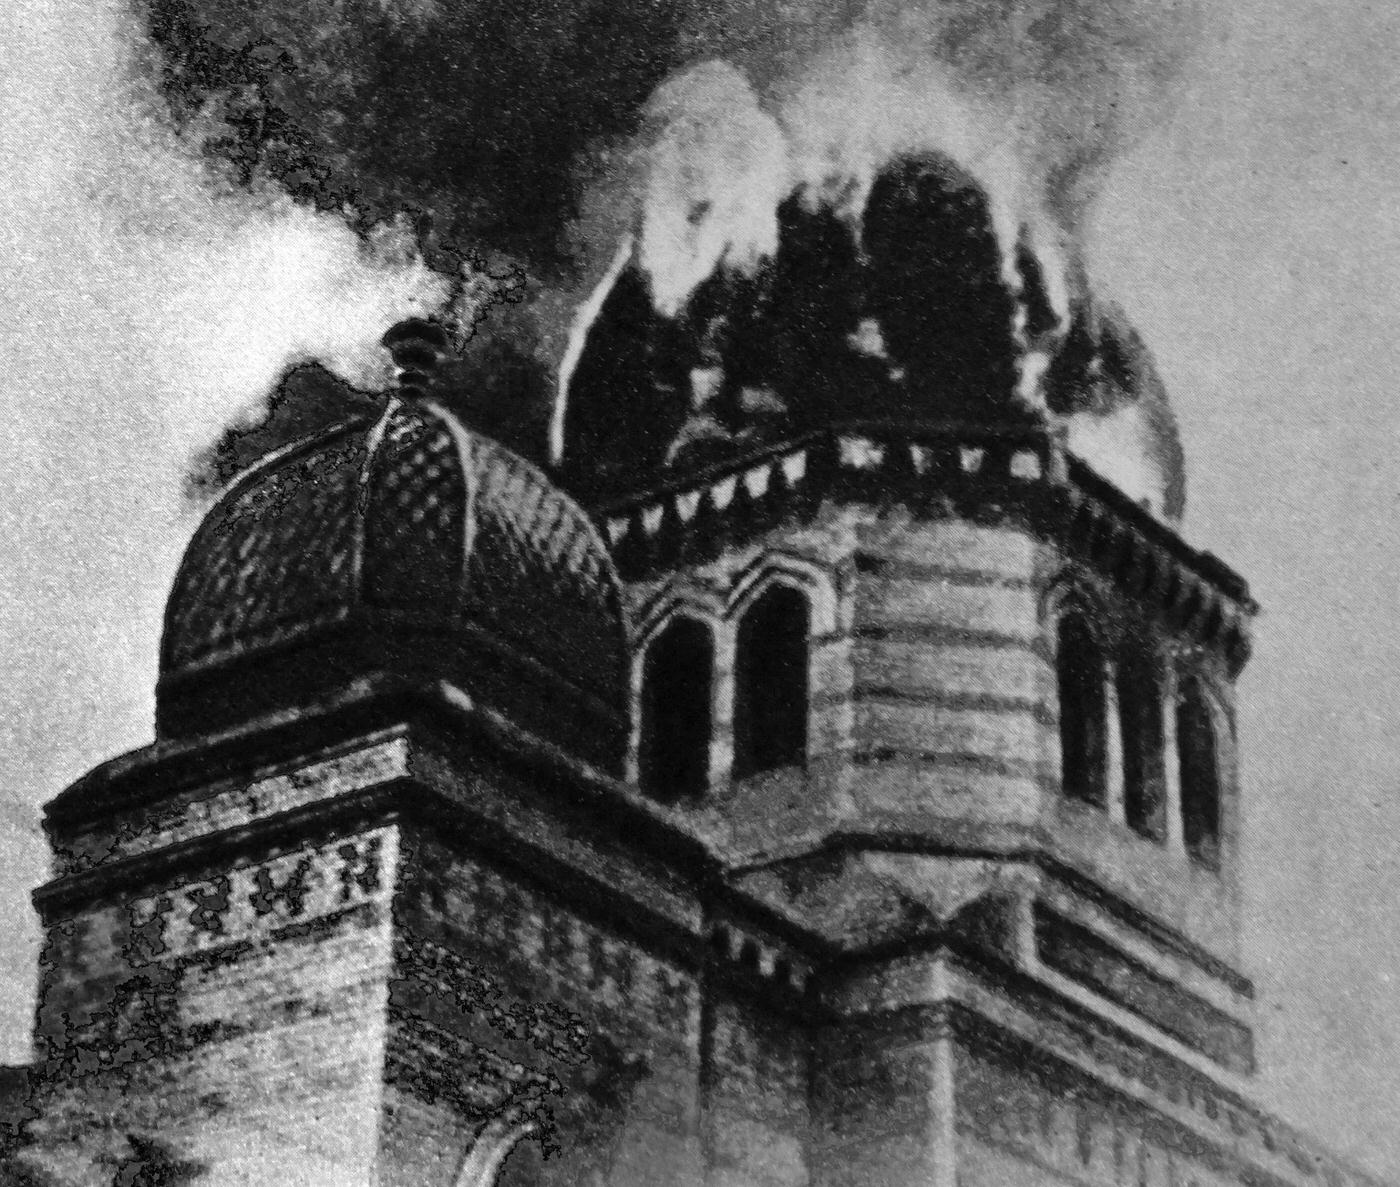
(422,543)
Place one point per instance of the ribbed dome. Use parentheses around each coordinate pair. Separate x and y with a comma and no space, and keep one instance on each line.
(410,548)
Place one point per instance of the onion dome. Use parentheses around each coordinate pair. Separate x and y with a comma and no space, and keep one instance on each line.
(906,315)
(411,552)
(915,313)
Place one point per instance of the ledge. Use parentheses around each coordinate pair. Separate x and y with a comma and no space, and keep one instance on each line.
(990,474)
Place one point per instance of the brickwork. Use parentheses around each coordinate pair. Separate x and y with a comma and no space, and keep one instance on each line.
(202,809)
(1016,1128)
(935,712)
(362,1003)
(878,1112)
(171,1008)
(756,1068)
(610,1031)
(433,944)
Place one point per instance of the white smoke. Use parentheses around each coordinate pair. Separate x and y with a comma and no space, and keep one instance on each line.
(1122,445)
(713,176)
(143,308)
(1032,98)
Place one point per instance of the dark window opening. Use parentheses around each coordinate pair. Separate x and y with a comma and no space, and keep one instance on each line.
(1140,717)
(770,692)
(1199,763)
(1083,692)
(676,719)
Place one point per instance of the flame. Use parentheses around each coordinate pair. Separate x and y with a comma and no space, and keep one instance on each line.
(1030,100)
(587,314)
(858,107)
(1121,446)
(687,125)
(1121,422)
(712,179)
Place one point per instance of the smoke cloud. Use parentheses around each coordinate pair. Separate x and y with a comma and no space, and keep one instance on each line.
(545,133)
(176,287)
(714,174)
(197,195)
(147,301)
(1031,98)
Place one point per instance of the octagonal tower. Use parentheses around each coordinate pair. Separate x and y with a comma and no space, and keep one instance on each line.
(1017,752)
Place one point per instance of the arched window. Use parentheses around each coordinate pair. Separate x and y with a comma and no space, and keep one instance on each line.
(677,676)
(1199,763)
(770,683)
(1140,720)
(1080,670)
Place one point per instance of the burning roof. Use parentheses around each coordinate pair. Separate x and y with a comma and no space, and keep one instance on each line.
(795,206)
(913,314)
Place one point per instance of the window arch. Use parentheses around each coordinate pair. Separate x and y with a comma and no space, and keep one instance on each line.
(1083,692)
(676,715)
(1140,712)
(1198,758)
(771,682)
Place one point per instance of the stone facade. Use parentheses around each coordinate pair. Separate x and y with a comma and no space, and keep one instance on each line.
(398,938)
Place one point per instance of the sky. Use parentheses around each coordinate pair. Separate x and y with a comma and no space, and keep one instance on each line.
(1257,243)
(1254,238)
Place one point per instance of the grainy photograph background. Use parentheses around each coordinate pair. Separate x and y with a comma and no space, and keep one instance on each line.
(1251,230)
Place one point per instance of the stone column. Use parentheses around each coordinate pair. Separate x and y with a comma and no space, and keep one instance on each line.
(1113,746)
(943,1135)
(1171,766)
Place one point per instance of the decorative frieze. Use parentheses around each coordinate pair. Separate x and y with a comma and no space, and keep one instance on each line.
(558,953)
(474,993)
(985,474)
(1079,1136)
(187,817)
(1079,954)
(1052,1048)
(253,902)
(761,957)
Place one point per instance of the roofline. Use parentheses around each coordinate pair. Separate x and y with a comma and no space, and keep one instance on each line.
(1012,471)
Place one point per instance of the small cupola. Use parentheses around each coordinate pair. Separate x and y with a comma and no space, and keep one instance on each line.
(406,551)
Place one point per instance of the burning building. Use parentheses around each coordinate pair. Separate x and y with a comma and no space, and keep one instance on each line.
(801,752)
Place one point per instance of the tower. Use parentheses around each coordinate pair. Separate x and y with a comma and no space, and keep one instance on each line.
(809,782)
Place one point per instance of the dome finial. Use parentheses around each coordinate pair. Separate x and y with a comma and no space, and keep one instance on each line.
(418,346)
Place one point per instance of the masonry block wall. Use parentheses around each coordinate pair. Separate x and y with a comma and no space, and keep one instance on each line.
(935,711)
(881,1100)
(217,989)
(503,986)
(352,989)
(395,938)
(296,976)
(953,690)
(1024,1121)
(755,1077)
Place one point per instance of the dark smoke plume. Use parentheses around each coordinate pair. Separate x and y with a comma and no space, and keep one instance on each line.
(555,140)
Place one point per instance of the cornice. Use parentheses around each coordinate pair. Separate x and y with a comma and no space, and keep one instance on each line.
(1021,474)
